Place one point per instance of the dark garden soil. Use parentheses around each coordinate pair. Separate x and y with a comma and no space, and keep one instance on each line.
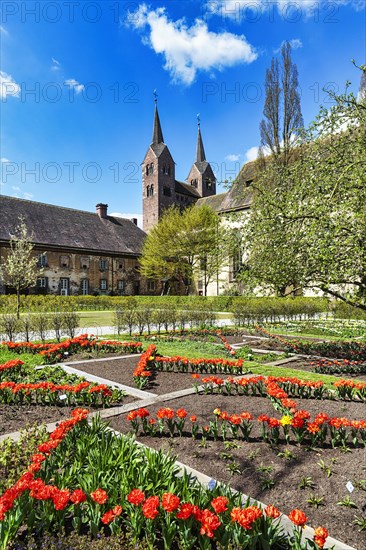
(255,464)
(87,356)
(121,371)
(16,417)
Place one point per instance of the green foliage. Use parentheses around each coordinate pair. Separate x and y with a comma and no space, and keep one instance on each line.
(315,501)
(307,229)
(15,455)
(18,271)
(183,245)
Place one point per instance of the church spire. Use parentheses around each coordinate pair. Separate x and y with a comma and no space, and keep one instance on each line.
(200,151)
(157,132)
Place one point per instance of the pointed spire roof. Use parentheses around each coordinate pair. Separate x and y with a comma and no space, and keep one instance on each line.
(157,136)
(200,151)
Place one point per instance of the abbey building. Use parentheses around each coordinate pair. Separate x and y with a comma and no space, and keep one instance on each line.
(160,188)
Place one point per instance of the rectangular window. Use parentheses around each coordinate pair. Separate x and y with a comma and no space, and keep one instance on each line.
(120,285)
(41,282)
(103,265)
(42,260)
(121,264)
(103,284)
(65,261)
(64,286)
(151,286)
(84,262)
(84,286)
(167,191)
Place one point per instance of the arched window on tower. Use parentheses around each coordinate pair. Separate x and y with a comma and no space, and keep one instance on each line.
(151,190)
(194,183)
(209,183)
(152,168)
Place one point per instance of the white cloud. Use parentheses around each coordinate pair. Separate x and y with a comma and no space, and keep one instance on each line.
(16,188)
(72,83)
(295,44)
(56,65)
(3,160)
(232,157)
(8,86)
(28,196)
(189,49)
(252,153)
(4,31)
(128,216)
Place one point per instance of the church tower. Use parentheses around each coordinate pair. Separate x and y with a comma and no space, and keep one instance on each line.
(158,177)
(201,176)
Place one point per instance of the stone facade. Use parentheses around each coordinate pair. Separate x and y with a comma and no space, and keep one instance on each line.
(78,252)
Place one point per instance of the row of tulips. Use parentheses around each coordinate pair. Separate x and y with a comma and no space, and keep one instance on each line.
(215,365)
(256,385)
(194,516)
(54,352)
(240,425)
(354,351)
(14,364)
(10,527)
(295,387)
(337,366)
(348,389)
(48,393)
(142,373)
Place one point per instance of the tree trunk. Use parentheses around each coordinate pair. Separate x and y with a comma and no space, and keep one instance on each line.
(18,303)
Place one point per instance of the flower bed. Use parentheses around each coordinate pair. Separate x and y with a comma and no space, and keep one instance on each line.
(158,508)
(353,351)
(265,468)
(150,362)
(55,352)
(337,366)
(49,393)
(294,387)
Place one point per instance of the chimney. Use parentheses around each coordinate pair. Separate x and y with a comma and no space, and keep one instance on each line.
(102,210)
(134,220)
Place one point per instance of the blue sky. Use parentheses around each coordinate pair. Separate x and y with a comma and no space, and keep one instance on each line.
(77,82)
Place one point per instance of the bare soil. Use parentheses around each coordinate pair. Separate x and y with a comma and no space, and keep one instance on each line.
(244,468)
(16,417)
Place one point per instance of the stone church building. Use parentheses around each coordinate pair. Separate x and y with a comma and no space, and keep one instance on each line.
(81,252)
(160,189)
